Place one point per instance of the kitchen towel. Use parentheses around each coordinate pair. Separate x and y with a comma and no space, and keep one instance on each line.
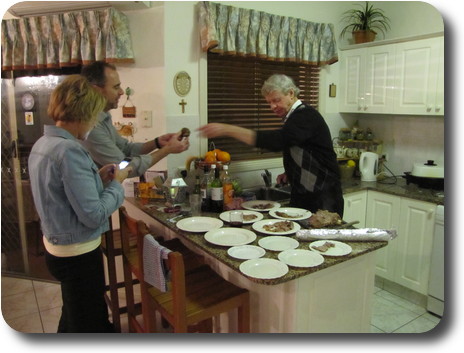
(154,269)
(362,234)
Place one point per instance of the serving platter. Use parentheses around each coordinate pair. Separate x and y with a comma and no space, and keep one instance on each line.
(264,268)
(259,227)
(278,243)
(199,224)
(300,258)
(296,214)
(230,236)
(246,252)
(340,249)
(225,216)
(255,204)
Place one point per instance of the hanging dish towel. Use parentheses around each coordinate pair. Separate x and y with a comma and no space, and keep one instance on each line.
(153,265)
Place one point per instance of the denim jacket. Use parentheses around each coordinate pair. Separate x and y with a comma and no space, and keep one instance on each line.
(71,200)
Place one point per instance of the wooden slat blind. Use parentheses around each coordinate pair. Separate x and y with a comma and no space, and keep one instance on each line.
(234,97)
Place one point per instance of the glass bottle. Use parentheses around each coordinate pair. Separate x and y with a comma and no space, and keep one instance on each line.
(217,194)
(205,189)
(227,189)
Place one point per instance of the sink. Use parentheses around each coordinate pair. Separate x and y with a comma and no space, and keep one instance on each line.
(271,194)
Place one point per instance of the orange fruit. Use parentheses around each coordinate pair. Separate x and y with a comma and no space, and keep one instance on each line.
(210,157)
(223,156)
(216,151)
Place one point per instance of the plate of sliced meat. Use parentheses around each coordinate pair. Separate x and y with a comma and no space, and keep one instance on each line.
(330,248)
(276,227)
(291,214)
(260,205)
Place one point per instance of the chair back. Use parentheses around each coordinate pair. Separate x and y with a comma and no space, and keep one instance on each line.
(128,229)
(176,284)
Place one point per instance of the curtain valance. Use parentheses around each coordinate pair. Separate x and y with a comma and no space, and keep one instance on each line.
(235,31)
(66,39)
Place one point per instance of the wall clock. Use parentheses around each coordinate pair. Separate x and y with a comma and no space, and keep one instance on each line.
(182,83)
(27,101)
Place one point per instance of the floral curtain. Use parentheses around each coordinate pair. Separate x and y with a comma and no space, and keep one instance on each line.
(66,39)
(235,31)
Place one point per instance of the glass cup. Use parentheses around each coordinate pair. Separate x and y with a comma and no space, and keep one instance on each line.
(236,218)
(195,204)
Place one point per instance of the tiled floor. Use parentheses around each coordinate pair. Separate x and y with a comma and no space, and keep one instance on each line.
(33,306)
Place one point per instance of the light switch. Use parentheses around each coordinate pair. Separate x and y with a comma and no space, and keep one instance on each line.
(146,118)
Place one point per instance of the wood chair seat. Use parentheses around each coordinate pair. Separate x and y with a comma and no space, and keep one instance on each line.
(193,297)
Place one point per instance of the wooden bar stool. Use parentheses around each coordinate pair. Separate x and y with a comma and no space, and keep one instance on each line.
(131,266)
(193,297)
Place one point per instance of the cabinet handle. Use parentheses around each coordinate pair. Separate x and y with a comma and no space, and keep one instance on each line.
(429,108)
(349,203)
(430,213)
(438,108)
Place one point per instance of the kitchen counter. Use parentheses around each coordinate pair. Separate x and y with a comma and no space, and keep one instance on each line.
(400,188)
(220,252)
(335,296)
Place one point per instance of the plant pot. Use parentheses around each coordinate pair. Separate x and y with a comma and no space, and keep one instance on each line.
(363,36)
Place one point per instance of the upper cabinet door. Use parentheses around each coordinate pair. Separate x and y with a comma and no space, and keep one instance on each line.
(353,76)
(419,77)
(380,79)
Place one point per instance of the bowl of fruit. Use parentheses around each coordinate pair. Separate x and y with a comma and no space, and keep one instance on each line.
(216,156)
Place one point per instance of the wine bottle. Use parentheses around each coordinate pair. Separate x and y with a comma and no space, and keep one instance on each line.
(205,189)
(228,189)
(217,194)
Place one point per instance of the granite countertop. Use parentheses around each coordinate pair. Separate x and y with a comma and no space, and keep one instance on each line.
(155,210)
(399,188)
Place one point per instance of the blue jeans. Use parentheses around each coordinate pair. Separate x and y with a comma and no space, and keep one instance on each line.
(82,288)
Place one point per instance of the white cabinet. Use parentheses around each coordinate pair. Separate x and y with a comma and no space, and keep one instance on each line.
(383,211)
(355,208)
(419,77)
(367,79)
(406,259)
(399,78)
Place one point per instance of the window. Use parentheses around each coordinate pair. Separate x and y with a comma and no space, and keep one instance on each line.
(234,97)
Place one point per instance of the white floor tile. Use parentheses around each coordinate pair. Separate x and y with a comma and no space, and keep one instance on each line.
(388,316)
(419,325)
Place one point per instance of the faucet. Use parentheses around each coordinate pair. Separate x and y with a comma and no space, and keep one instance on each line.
(267,177)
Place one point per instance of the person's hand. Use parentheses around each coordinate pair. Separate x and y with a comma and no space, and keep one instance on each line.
(121,174)
(164,139)
(175,146)
(107,172)
(282,179)
(213,130)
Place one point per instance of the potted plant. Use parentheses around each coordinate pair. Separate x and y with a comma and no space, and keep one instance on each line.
(363,22)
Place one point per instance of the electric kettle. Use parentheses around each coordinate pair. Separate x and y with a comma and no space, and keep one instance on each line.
(368,166)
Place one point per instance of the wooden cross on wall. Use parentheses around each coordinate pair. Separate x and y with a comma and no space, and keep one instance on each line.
(183,104)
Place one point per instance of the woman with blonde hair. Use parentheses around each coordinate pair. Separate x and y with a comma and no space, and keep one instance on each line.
(74,200)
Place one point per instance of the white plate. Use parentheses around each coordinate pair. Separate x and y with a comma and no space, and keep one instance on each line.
(225,216)
(340,249)
(246,252)
(199,224)
(230,236)
(264,268)
(296,213)
(250,205)
(300,258)
(258,226)
(278,243)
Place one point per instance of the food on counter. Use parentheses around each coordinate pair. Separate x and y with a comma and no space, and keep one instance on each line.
(263,206)
(249,217)
(286,215)
(324,247)
(324,218)
(279,227)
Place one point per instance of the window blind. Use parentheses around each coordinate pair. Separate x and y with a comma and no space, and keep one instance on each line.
(234,97)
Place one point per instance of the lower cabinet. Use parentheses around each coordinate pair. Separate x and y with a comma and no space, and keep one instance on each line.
(355,208)
(406,259)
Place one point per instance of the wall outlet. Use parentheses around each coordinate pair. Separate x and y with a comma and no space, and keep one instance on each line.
(384,157)
(146,116)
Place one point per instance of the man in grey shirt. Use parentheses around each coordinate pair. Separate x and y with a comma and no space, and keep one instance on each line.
(104,142)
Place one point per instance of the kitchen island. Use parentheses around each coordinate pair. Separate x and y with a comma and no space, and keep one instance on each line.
(332,297)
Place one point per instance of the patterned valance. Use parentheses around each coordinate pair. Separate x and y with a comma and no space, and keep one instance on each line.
(66,39)
(235,31)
